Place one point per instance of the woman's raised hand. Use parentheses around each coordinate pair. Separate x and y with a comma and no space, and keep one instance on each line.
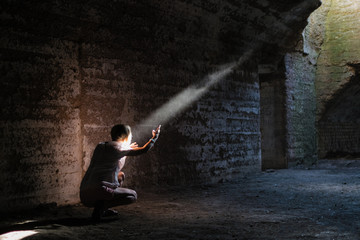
(156,132)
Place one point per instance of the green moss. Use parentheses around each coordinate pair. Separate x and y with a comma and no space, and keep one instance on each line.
(340,47)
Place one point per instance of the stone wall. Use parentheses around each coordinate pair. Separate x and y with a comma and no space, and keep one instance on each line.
(341,46)
(40,125)
(152,54)
(301,95)
(326,68)
(338,140)
(337,79)
(300,109)
(70,70)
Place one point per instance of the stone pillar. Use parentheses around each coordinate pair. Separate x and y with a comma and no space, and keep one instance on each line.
(273,122)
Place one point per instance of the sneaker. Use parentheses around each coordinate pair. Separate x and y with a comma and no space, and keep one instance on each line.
(98,211)
(110,213)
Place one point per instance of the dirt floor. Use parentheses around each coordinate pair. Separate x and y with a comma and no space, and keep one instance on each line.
(321,202)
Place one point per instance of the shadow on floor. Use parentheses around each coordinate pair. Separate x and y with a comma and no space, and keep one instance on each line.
(54,223)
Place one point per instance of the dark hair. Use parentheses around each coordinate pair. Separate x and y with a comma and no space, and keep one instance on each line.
(120,131)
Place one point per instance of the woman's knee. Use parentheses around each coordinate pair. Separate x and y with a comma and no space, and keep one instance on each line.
(125,194)
(135,195)
(132,196)
(122,198)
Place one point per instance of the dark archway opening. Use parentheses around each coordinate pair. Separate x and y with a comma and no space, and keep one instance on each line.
(339,126)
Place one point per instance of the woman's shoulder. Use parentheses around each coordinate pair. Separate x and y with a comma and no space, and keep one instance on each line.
(116,145)
(106,145)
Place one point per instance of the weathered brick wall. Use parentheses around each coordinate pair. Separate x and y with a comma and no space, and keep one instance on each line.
(301,94)
(337,140)
(39,122)
(224,142)
(157,52)
(300,109)
(70,70)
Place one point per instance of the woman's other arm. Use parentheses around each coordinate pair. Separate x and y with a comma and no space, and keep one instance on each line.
(135,150)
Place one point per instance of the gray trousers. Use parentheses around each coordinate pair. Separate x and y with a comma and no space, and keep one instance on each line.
(108,195)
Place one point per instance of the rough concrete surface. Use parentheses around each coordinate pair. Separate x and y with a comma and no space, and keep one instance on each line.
(320,202)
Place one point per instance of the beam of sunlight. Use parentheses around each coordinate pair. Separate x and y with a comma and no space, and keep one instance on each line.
(26,221)
(182,100)
(185,98)
(191,94)
(17,235)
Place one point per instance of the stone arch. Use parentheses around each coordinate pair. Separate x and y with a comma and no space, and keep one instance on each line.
(322,86)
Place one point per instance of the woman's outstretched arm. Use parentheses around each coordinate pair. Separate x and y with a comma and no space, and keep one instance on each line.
(147,146)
